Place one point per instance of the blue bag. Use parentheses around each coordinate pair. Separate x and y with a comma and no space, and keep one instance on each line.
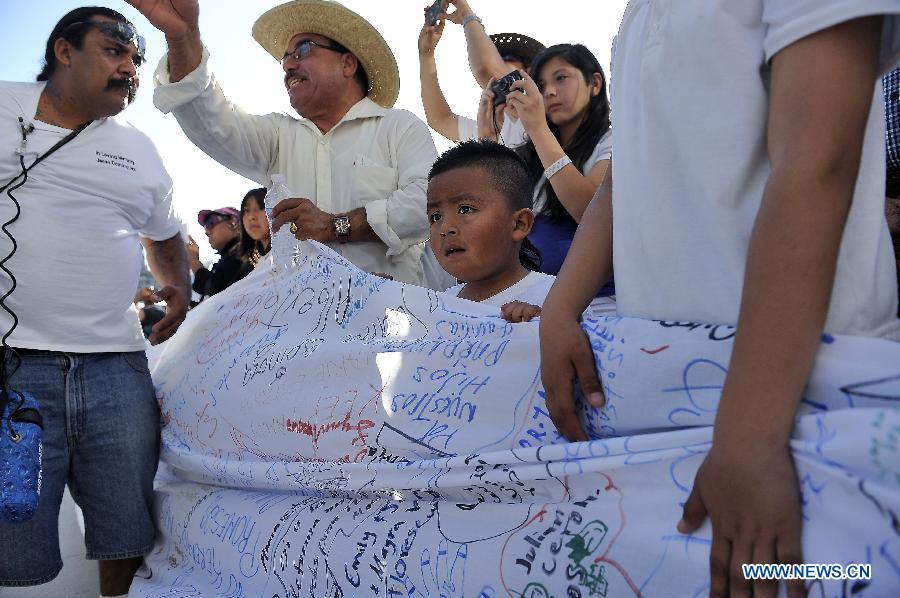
(21,431)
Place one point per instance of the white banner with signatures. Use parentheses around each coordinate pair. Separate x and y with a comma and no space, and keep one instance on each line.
(331,433)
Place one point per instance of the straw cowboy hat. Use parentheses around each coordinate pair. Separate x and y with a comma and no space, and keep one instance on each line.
(275,28)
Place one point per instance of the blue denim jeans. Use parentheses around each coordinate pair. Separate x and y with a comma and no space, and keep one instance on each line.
(101,437)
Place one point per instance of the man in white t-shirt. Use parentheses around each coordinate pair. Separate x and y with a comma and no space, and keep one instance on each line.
(749,190)
(95,190)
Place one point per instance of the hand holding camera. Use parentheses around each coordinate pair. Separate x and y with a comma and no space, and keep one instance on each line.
(460,12)
(490,114)
(433,13)
(430,34)
(525,102)
(501,87)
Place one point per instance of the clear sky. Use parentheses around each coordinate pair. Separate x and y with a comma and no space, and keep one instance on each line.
(253,80)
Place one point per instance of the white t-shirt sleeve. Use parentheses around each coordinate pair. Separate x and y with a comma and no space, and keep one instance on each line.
(512,132)
(164,222)
(788,21)
(466,128)
(602,151)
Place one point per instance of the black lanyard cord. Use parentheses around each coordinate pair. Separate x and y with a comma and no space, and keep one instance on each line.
(9,187)
(43,156)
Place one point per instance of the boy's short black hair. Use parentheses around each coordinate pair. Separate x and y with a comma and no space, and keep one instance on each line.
(74,36)
(508,174)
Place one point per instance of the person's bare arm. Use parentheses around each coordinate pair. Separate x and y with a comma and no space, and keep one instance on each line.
(573,189)
(178,20)
(437,111)
(565,350)
(484,59)
(169,265)
(747,484)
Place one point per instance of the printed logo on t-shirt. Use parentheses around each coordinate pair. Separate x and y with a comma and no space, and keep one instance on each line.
(115,160)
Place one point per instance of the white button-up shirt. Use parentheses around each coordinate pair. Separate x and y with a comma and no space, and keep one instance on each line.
(376,158)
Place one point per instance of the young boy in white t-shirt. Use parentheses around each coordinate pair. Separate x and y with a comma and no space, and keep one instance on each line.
(479,209)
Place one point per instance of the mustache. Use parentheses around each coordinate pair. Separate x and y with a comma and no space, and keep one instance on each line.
(128,83)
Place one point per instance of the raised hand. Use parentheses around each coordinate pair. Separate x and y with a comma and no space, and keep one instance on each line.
(429,37)
(175,18)
(193,254)
(460,11)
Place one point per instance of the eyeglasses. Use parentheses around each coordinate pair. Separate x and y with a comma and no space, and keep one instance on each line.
(304,48)
(123,33)
(213,219)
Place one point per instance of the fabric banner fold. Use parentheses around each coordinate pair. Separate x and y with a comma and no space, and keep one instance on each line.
(331,433)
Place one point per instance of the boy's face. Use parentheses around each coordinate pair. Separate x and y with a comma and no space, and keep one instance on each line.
(474,233)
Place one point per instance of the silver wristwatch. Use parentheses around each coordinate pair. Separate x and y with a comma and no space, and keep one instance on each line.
(341,226)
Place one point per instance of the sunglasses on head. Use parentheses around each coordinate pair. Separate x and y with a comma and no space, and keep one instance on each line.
(213,219)
(123,33)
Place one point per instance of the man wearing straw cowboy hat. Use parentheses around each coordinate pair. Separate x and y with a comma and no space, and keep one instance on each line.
(357,167)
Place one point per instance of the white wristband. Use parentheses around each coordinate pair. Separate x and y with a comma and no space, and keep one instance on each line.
(471,18)
(557,166)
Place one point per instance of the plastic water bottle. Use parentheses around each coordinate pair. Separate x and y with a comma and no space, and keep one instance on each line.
(284,243)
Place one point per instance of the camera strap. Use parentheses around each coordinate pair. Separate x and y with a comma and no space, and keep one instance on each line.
(9,188)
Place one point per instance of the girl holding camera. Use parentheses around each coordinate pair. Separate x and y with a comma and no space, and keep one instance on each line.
(562,106)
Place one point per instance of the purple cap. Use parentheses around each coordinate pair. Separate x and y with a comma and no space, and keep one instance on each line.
(227,212)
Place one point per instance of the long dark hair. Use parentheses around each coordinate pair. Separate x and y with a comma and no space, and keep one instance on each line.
(75,35)
(594,126)
(508,174)
(251,249)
